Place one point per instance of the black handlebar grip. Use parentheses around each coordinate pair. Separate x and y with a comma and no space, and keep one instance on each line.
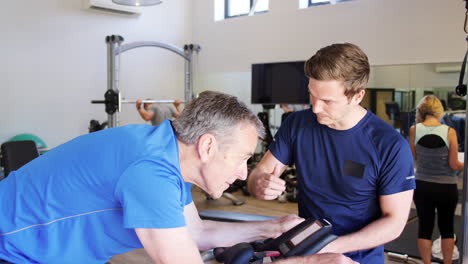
(241,253)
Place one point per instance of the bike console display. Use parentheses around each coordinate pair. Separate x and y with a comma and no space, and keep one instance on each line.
(306,238)
(309,237)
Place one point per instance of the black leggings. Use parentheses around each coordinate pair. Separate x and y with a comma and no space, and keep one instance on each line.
(430,196)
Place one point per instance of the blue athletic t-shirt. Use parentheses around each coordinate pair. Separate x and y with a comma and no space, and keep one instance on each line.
(80,202)
(342,173)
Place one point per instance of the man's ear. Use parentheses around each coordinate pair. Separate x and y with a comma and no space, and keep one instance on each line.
(357,98)
(206,147)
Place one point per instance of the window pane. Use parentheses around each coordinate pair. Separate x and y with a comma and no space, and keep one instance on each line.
(219,10)
(238,7)
(262,5)
(319,1)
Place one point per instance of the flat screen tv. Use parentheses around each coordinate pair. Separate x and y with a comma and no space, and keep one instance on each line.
(279,83)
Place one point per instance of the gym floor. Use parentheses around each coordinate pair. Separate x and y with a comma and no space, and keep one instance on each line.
(251,206)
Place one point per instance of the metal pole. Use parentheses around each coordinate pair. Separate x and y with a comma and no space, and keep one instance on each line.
(111,118)
(189,49)
(151,101)
(464,241)
(187,76)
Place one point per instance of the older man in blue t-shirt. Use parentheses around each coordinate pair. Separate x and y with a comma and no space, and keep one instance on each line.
(353,169)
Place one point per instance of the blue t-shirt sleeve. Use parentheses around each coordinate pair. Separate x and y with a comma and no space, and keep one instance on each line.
(397,172)
(151,197)
(281,147)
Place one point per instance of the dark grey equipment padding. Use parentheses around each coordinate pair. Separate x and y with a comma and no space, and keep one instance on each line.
(17,153)
(225,216)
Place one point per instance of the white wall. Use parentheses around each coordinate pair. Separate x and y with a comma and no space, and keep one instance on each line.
(53,63)
(390,32)
(53,55)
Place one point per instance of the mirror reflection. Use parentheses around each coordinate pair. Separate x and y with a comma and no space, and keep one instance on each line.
(395,90)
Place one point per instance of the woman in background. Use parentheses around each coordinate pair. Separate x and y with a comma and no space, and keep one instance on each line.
(435,150)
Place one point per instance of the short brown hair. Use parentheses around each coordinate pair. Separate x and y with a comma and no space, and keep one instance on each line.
(429,105)
(344,62)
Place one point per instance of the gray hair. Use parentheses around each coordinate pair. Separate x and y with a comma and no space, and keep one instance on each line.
(215,113)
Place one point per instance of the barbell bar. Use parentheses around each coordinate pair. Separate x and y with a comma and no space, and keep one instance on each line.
(151,101)
(113,101)
(143,101)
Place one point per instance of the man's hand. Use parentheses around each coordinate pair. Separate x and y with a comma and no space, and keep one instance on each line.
(287,222)
(176,103)
(268,186)
(325,258)
(138,104)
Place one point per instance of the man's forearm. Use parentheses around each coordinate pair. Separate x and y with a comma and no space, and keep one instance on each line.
(318,259)
(395,209)
(223,234)
(145,114)
(375,234)
(296,260)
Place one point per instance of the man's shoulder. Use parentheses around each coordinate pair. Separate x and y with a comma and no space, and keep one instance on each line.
(378,126)
(382,135)
(298,121)
(305,116)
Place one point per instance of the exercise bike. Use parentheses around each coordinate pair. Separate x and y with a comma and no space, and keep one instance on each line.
(306,238)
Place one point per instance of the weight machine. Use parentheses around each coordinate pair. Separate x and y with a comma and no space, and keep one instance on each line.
(112,97)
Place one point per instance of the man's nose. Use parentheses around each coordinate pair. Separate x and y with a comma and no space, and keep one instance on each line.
(242,174)
(316,106)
